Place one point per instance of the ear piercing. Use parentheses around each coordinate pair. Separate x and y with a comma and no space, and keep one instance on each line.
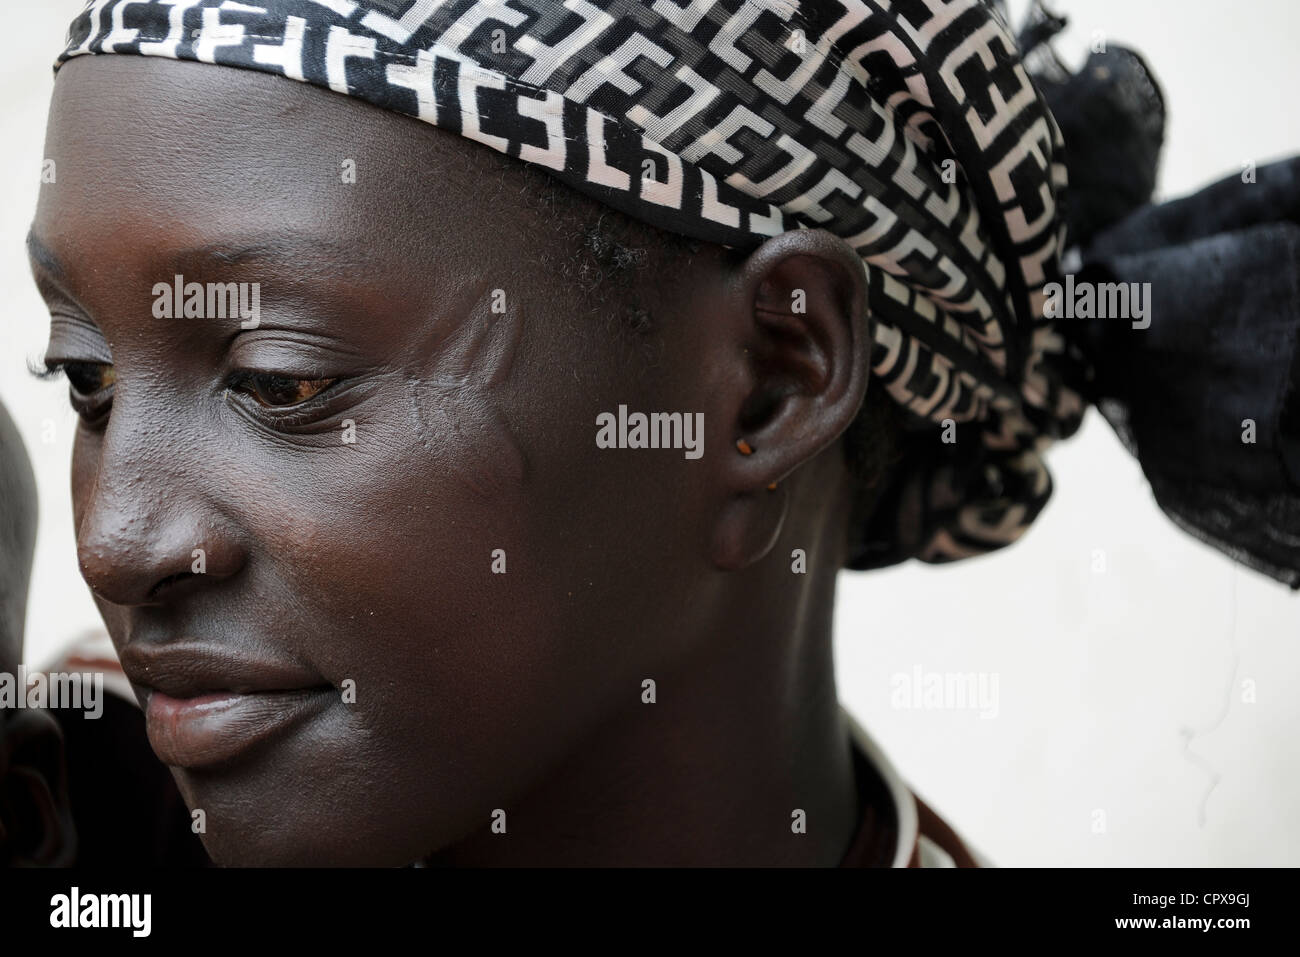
(746,449)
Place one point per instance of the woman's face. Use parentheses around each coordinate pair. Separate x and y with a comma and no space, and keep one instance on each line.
(291,529)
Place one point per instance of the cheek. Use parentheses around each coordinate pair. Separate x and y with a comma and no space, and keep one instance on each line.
(388,540)
(420,563)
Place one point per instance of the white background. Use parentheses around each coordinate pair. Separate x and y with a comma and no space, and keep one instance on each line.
(1120,692)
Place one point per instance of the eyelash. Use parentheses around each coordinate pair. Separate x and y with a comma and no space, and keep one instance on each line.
(236,383)
(92,410)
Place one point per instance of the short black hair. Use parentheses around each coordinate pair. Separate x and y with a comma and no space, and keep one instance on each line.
(599,252)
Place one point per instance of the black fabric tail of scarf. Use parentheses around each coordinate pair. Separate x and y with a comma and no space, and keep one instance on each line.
(1207,396)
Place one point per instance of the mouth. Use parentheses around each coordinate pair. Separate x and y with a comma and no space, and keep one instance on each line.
(209,705)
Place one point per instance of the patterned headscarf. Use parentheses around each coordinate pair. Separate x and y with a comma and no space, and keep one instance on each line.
(908,127)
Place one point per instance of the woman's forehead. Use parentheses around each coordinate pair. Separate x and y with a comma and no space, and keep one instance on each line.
(151,125)
(185,163)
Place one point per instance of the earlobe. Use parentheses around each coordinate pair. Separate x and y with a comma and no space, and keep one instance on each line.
(746,529)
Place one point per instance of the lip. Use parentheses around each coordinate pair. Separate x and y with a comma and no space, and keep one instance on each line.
(208,704)
(187,668)
(216,728)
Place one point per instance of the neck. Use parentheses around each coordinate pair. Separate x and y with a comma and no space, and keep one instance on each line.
(741,736)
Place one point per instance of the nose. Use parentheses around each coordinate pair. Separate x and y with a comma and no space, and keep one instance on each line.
(148,529)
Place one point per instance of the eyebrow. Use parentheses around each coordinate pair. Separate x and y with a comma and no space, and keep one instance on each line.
(280,247)
(43,256)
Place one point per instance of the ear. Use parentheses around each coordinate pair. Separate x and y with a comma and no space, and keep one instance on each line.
(797,345)
(36,828)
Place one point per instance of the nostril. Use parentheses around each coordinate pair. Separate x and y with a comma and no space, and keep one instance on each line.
(165,583)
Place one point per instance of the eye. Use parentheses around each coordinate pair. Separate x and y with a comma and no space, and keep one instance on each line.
(89,378)
(90,386)
(278,391)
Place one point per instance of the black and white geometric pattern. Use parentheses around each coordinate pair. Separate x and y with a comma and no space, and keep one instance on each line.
(908,127)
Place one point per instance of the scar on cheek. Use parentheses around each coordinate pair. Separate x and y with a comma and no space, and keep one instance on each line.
(455,413)
(471,437)
(480,350)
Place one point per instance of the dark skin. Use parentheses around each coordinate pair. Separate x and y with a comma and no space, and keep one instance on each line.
(475,431)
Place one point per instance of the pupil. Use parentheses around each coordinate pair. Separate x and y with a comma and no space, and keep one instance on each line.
(281,391)
(84,376)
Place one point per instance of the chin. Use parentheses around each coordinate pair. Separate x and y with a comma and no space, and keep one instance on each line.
(250,839)
(267,814)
